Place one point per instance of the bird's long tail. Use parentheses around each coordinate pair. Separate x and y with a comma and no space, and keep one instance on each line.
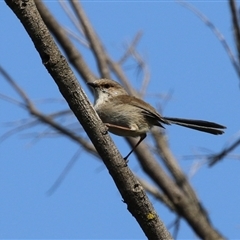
(200,125)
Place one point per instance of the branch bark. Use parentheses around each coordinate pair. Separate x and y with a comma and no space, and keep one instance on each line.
(131,190)
(179,195)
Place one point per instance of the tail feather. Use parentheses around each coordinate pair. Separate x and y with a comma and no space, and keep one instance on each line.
(200,125)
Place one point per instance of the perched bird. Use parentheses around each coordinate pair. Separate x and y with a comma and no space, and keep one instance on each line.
(129,116)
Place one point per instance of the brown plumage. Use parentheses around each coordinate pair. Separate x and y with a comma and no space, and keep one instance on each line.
(127,115)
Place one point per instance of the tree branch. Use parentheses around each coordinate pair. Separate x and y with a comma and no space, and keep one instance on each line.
(216,32)
(130,189)
(235,21)
(93,39)
(71,51)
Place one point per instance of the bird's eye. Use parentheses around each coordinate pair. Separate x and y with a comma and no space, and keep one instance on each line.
(107,85)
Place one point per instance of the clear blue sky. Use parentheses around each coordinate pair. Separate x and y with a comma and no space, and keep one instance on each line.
(184,58)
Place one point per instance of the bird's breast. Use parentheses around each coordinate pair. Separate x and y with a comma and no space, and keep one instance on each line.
(128,120)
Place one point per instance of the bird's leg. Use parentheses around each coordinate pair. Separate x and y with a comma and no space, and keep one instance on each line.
(140,140)
(124,131)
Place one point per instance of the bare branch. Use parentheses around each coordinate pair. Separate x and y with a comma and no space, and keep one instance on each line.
(72,53)
(213,159)
(40,117)
(148,162)
(20,92)
(216,32)
(235,21)
(21,127)
(93,40)
(64,173)
(179,195)
(71,16)
(130,48)
(176,225)
(154,191)
(75,36)
(130,189)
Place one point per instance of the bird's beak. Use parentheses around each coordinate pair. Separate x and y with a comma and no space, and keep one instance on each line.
(91,84)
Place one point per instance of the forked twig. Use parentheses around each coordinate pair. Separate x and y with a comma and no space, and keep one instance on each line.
(216,32)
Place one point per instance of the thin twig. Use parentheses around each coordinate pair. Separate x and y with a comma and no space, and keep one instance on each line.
(76,37)
(71,16)
(235,21)
(132,46)
(217,157)
(216,32)
(64,173)
(74,57)
(92,37)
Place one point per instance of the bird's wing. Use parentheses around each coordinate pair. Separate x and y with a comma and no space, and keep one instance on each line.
(145,108)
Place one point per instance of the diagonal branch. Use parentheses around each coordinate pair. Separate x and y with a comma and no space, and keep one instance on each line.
(192,208)
(235,21)
(216,32)
(72,53)
(93,39)
(130,189)
(217,157)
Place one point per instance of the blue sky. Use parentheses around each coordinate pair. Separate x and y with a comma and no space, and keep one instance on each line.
(185,59)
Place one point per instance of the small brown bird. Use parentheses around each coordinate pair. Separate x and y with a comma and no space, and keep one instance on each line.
(128,116)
